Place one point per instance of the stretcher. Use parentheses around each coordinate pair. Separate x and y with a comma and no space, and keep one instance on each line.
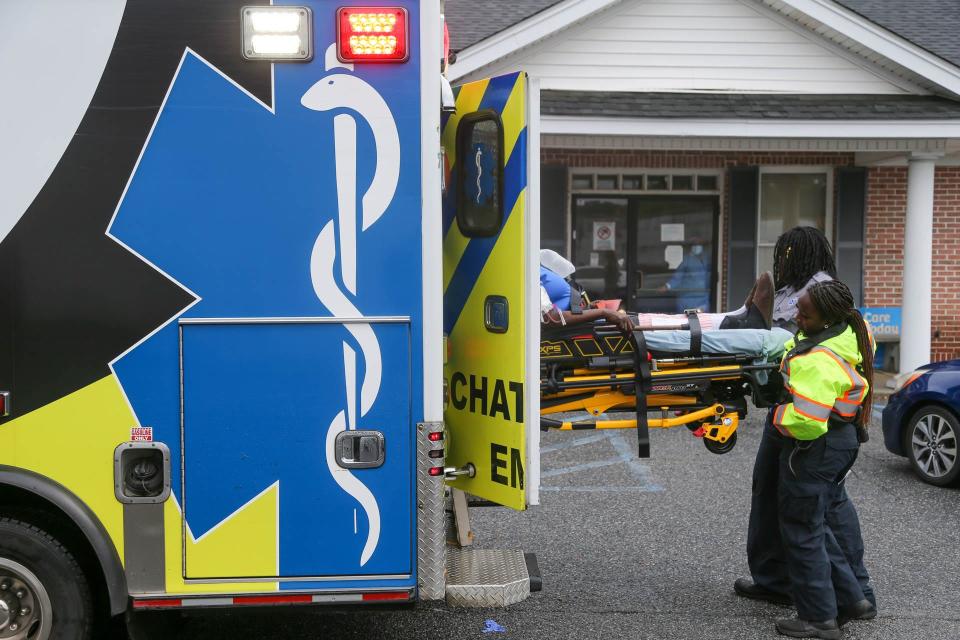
(598,369)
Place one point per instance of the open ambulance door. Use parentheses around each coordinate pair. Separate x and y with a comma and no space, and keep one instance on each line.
(491,293)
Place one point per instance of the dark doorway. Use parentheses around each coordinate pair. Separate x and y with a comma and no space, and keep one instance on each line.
(658,254)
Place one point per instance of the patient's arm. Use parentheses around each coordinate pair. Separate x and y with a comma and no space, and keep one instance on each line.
(620,320)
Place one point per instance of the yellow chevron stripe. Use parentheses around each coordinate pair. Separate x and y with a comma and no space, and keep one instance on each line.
(513,116)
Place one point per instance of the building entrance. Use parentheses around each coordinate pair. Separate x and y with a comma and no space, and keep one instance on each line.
(658,254)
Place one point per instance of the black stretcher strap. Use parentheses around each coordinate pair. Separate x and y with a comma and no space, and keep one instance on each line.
(641,388)
(696,333)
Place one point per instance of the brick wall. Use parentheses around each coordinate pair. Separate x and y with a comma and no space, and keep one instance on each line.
(945,322)
(883,253)
(622,158)
(883,257)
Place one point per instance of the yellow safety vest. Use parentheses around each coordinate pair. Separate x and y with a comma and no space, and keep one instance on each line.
(823,382)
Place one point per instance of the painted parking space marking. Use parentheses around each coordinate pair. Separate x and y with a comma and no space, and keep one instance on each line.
(625,455)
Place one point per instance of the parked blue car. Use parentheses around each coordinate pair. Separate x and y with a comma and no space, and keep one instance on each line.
(921,421)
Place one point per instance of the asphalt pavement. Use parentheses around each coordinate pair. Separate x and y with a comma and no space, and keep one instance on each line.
(633,548)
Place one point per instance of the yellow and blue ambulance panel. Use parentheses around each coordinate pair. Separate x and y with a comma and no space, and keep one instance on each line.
(484,257)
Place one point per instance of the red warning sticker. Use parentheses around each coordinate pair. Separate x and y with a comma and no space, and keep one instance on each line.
(141,434)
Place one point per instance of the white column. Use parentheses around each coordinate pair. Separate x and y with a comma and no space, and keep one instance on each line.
(917,264)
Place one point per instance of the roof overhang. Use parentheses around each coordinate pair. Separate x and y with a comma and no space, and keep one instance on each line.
(827,13)
(878,39)
(765,128)
(525,33)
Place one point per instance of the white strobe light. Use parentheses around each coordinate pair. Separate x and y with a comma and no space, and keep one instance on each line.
(277,33)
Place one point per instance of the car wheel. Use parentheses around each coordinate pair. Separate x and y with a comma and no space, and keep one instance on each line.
(43,593)
(932,445)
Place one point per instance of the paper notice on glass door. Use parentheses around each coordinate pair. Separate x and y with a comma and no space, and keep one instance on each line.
(604,236)
(671,233)
(673,256)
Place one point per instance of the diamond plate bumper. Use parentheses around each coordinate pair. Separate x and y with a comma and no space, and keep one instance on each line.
(486,577)
(431,518)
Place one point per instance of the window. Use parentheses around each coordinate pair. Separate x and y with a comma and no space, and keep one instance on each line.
(658,183)
(706,183)
(480,176)
(607,182)
(583,182)
(704,180)
(790,198)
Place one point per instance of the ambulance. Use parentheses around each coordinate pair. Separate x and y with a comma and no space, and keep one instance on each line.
(265,310)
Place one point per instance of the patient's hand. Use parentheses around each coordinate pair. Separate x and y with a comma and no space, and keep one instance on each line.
(621,320)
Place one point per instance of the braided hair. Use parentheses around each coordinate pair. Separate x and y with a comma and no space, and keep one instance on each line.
(834,301)
(800,253)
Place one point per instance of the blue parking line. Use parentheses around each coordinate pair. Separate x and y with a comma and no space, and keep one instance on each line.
(626,456)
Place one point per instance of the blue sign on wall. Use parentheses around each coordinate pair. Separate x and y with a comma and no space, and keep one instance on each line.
(884,321)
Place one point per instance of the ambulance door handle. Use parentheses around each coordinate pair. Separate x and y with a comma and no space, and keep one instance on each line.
(467,470)
(4,404)
(496,314)
(360,449)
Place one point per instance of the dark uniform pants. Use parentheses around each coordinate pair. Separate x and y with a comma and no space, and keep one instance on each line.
(804,535)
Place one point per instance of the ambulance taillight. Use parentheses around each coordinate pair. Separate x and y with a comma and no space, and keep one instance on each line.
(372,34)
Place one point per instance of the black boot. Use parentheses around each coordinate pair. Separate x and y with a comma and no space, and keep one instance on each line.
(746,588)
(863,610)
(797,628)
(752,318)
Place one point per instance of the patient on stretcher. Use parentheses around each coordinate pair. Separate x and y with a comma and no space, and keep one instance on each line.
(563,304)
(746,332)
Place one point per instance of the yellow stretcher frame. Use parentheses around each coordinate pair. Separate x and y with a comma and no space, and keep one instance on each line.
(714,421)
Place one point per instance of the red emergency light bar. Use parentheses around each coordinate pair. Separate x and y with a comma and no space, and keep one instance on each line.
(372,34)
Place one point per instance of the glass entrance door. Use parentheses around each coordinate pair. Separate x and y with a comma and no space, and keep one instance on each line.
(600,246)
(658,254)
(672,254)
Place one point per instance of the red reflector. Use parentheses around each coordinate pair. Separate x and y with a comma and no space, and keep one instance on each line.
(272,599)
(393,595)
(147,604)
(371,34)
(435,436)
(436,471)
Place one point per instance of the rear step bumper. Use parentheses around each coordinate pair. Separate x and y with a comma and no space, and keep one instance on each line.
(490,577)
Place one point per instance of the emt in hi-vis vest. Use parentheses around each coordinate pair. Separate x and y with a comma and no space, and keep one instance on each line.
(811,442)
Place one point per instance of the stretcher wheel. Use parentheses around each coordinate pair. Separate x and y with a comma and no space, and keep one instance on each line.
(721,447)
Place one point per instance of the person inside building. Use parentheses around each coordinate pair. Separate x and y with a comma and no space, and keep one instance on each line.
(804,540)
(691,279)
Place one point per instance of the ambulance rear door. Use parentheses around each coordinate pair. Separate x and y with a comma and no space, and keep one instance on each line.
(490,274)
